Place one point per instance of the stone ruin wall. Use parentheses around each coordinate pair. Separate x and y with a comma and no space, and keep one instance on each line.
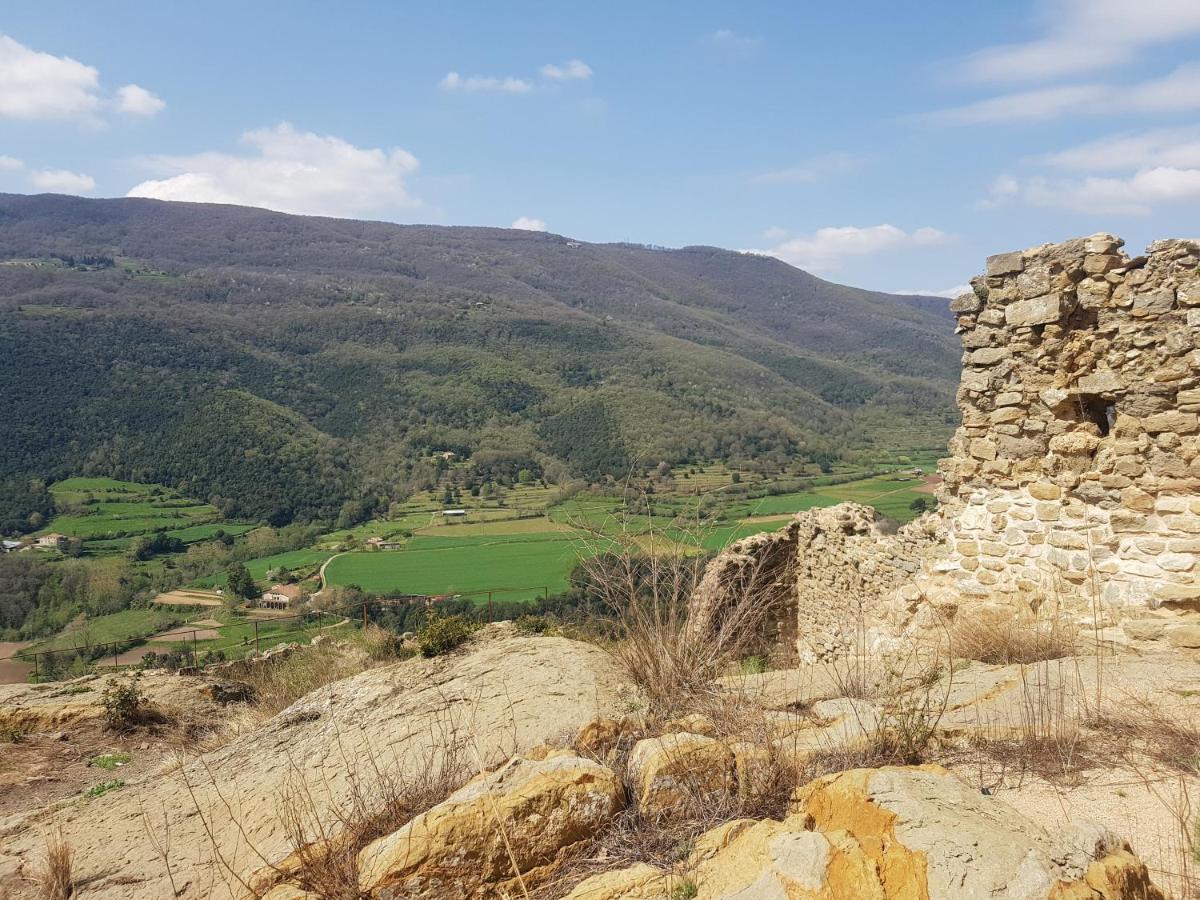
(1075,474)
(1073,480)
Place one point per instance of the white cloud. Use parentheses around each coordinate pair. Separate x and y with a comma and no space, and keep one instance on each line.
(572,70)
(62,181)
(949,293)
(10,164)
(525,223)
(1177,92)
(826,248)
(36,85)
(1081,36)
(1124,174)
(1135,195)
(810,170)
(485,84)
(289,171)
(1159,147)
(731,42)
(1028,106)
(137,101)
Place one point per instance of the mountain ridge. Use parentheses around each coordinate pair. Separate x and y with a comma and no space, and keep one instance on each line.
(419,337)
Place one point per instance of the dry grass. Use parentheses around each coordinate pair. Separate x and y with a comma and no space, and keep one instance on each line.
(52,877)
(326,843)
(280,683)
(1008,642)
(649,593)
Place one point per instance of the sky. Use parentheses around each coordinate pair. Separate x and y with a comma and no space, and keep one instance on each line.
(886,145)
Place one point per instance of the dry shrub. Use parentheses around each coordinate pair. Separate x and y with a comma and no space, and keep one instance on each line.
(1008,642)
(52,878)
(645,580)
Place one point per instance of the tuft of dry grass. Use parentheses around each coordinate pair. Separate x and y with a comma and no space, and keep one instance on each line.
(648,592)
(52,877)
(326,844)
(1008,642)
(280,683)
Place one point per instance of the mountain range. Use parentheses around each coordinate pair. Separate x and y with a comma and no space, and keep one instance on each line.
(284,366)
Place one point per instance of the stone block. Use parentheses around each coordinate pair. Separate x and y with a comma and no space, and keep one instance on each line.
(1044,490)
(1101,382)
(966,303)
(1006,263)
(1178,422)
(1153,303)
(1048,512)
(988,356)
(1034,311)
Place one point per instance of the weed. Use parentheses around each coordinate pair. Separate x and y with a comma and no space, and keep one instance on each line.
(124,704)
(530,624)
(109,761)
(441,634)
(99,790)
(685,891)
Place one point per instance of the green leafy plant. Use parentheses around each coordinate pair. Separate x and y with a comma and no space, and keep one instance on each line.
(754,665)
(124,704)
(685,891)
(109,761)
(441,634)
(99,790)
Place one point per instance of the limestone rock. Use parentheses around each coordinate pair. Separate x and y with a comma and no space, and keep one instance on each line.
(928,834)
(639,882)
(1187,636)
(537,810)
(1005,263)
(1034,311)
(677,769)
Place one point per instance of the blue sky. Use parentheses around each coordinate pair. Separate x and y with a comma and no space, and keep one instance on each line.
(886,145)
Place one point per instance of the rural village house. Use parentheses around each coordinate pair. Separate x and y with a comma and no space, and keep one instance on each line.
(281,596)
(54,541)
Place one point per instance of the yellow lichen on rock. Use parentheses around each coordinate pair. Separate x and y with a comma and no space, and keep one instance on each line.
(529,813)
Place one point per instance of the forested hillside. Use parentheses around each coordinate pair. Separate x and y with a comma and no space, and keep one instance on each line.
(284,367)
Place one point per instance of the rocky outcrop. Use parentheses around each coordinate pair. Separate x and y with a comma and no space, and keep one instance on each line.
(672,771)
(506,694)
(888,833)
(500,830)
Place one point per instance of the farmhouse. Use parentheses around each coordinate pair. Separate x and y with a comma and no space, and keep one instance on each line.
(53,541)
(281,596)
(378,543)
(9,546)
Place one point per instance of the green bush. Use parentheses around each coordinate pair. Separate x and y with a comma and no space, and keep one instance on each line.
(124,704)
(532,624)
(441,634)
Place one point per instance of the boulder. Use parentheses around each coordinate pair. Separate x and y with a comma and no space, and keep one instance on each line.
(639,882)
(677,769)
(929,835)
(528,812)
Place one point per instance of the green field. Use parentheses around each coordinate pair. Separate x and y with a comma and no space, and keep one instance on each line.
(298,561)
(129,624)
(522,566)
(106,513)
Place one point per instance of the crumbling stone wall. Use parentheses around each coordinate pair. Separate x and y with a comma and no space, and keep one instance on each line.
(823,575)
(1073,482)
(1075,474)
